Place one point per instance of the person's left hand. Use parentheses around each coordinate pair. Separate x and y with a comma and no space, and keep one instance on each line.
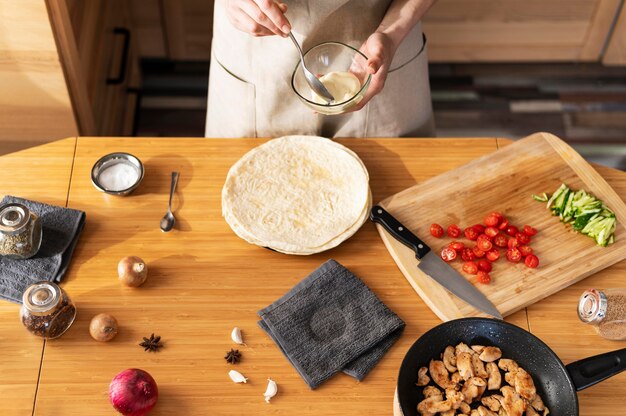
(380,51)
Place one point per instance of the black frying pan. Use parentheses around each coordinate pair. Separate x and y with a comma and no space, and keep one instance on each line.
(556,383)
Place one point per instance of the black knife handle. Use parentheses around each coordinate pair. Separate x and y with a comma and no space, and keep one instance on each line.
(399,231)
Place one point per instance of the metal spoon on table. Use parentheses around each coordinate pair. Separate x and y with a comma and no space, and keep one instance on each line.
(168,221)
(315,84)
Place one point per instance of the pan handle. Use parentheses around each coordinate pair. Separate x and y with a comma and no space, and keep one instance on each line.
(589,371)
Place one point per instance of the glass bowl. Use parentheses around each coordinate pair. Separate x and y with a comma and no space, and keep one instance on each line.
(328,57)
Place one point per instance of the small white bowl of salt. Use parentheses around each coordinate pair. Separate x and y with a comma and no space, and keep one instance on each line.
(117,173)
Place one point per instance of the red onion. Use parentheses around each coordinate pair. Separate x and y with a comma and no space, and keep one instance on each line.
(133,392)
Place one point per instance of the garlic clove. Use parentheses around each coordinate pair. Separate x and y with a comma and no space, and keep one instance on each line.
(237,377)
(236,336)
(271,390)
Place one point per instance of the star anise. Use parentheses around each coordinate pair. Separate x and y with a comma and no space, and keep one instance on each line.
(151,344)
(233,356)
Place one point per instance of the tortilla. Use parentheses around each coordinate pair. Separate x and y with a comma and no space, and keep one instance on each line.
(297,195)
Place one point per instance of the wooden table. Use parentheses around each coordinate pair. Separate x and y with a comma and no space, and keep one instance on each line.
(203,281)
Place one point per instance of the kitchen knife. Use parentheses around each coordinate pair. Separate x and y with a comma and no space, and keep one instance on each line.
(431,264)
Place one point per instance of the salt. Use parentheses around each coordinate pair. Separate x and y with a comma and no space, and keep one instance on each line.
(118,177)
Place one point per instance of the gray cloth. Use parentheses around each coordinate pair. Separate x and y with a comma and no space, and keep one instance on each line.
(330,322)
(61,228)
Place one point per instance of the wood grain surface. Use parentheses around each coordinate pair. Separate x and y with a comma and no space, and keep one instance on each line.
(203,281)
(43,174)
(504,181)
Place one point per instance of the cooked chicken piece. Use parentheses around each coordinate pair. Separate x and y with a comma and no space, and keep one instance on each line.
(474,413)
(454,397)
(422,378)
(483,411)
(510,378)
(490,354)
(448,413)
(531,412)
(439,374)
(472,389)
(477,348)
(537,403)
(513,404)
(524,385)
(507,365)
(465,408)
(449,358)
(492,402)
(464,364)
(433,405)
(432,391)
(461,347)
(495,378)
(479,367)
(456,378)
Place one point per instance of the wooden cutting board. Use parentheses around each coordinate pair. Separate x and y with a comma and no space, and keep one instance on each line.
(504,181)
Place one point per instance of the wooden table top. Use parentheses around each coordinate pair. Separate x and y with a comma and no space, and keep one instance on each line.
(203,281)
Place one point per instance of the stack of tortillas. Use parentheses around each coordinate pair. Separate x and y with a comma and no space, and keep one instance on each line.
(297,195)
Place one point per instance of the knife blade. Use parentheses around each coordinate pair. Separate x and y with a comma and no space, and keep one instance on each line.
(431,264)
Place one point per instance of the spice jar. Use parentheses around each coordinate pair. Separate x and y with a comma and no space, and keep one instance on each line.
(605,310)
(47,311)
(20,232)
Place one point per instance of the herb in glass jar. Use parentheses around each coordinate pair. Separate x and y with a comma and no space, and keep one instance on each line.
(20,232)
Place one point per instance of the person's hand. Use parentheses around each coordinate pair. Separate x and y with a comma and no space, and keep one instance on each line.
(379,50)
(258,17)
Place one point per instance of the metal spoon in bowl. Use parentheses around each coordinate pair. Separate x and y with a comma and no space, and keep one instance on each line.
(168,221)
(311,79)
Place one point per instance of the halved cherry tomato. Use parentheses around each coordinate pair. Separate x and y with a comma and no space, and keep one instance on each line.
(456,246)
(467,254)
(522,238)
(484,244)
(493,254)
(471,233)
(478,252)
(492,220)
(530,231)
(512,243)
(454,231)
(500,240)
(484,265)
(470,267)
(479,227)
(512,230)
(483,277)
(491,231)
(504,223)
(531,261)
(436,230)
(525,250)
(513,255)
(497,214)
(448,254)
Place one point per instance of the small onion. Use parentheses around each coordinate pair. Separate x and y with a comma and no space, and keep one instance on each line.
(133,392)
(132,271)
(103,327)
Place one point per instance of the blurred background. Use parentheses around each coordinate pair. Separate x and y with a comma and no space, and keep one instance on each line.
(504,68)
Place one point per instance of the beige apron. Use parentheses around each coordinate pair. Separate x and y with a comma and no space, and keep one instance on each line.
(250,93)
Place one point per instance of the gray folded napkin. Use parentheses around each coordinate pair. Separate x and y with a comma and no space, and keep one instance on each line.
(61,229)
(330,322)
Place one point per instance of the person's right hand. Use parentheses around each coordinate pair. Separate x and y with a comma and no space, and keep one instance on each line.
(259,17)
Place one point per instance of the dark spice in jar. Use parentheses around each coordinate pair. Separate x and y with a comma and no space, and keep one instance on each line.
(47,310)
(606,311)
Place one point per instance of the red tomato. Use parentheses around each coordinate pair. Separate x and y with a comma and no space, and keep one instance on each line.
(522,238)
(497,214)
(470,267)
(484,244)
(454,231)
(530,231)
(448,254)
(483,277)
(531,261)
(513,255)
(512,243)
(479,227)
(500,240)
(503,224)
(471,233)
(525,250)
(491,220)
(478,252)
(456,246)
(436,230)
(491,231)
(468,254)
(512,230)
(484,265)
(493,254)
